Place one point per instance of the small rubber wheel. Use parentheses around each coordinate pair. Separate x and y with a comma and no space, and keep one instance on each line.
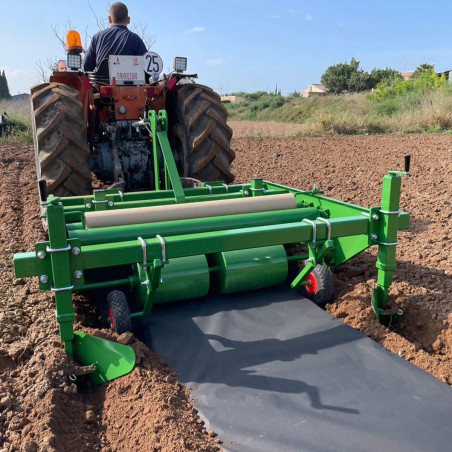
(321,287)
(118,312)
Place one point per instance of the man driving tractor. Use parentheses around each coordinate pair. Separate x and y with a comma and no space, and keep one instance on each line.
(115,40)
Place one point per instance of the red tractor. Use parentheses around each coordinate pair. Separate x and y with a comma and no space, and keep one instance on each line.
(95,123)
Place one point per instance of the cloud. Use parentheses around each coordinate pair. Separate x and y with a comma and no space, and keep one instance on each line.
(215,61)
(308,17)
(195,30)
(13,72)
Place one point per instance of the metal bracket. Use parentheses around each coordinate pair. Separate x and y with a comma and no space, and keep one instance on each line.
(314,230)
(58,250)
(387,243)
(328,225)
(143,246)
(163,243)
(61,289)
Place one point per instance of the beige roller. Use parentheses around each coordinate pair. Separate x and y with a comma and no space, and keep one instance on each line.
(155,214)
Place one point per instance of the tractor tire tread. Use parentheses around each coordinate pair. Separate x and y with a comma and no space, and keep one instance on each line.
(60,139)
(325,286)
(117,304)
(199,111)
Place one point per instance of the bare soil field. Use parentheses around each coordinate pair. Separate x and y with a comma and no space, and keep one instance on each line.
(351,169)
(42,410)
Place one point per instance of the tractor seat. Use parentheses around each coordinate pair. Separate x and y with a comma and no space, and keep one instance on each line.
(101,74)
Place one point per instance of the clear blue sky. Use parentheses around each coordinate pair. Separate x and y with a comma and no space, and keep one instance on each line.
(245,44)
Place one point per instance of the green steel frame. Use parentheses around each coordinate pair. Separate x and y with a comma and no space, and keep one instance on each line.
(332,230)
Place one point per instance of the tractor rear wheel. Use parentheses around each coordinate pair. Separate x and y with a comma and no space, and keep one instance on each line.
(198,133)
(60,139)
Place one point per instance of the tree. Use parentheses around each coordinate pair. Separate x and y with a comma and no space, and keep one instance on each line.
(424,68)
(359,81)
(386,76)
(4,90)
(345,76)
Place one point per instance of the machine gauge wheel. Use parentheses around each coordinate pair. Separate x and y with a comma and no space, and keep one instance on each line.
(118,312)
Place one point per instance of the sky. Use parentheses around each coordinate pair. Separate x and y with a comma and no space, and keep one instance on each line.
(243,45)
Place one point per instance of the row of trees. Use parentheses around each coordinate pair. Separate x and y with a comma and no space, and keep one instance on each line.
(350,77)
(4,90)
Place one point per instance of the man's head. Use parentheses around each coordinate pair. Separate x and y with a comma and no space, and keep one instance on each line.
(118,14)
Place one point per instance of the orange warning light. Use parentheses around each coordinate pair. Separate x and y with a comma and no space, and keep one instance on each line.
(73,41)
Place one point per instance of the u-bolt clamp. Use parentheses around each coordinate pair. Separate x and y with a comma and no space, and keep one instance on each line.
(143,247)
(163,243)
(314,230)
(328,225)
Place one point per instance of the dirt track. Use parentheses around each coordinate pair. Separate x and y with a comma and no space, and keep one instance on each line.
(40,409)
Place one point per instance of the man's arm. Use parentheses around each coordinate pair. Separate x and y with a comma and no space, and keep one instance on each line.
(89,62)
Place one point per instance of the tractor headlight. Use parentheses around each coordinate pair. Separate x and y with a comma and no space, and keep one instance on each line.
(180,64)
(74,61)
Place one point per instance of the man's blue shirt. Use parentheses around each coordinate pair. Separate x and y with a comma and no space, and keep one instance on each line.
(115,40)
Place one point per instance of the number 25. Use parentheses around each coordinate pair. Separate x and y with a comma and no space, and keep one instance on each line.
(154,61)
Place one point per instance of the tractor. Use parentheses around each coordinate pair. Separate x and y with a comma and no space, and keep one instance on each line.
(95,122)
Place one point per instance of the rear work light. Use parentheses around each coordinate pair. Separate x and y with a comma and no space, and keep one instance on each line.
(180,64)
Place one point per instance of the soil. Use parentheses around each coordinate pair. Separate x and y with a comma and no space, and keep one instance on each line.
(41,409)
(350,168)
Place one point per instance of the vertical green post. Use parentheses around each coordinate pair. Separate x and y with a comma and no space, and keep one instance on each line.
(152,116)
(61,274)
(386,239)
(257,186)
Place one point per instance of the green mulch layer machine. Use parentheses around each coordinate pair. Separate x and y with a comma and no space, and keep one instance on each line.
(174,244)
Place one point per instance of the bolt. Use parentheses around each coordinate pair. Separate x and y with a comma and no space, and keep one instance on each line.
(75,251)
(78,274)
(246,192)
(373,236)
(41,254)
(88,205)
(44,279)
(110,203)
(374,216)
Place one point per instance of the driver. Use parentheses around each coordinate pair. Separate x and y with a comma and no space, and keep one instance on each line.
(115,40)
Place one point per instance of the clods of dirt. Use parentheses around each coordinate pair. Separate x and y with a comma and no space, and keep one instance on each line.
(42,408)
(350,168)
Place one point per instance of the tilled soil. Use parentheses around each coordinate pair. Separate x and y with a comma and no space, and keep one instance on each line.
(41,409)
(351,169)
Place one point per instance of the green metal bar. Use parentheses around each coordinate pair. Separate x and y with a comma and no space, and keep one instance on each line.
(387,240)
(196,225)
(129,252)
(170,164)
(152,116)
(116,197)
(297,257)
(103,284)
(61,273)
